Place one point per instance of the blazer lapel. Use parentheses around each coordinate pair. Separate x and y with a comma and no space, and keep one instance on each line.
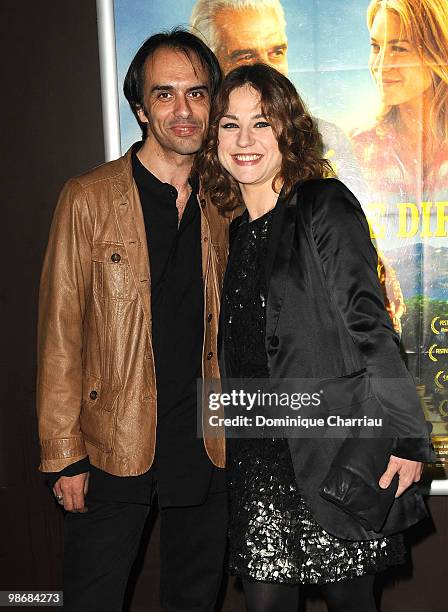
(278,258)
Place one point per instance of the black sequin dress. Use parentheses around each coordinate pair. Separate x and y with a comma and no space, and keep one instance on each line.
(273,535)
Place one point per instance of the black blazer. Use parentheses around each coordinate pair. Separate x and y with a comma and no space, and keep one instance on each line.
(326,319)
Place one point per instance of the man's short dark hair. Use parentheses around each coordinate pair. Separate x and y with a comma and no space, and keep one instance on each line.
(178,40)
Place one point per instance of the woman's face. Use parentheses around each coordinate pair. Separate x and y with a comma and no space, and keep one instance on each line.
(396,65)
(247,146)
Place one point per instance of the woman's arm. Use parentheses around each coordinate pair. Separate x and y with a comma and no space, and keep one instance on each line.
(349,261)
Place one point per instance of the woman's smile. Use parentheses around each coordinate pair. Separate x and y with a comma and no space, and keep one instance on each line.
(247,159)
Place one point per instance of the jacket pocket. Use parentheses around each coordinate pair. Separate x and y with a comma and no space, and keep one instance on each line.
(111,272)
(98,395)
(97,417)
(345,394)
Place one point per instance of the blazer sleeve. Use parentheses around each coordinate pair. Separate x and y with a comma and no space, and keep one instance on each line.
(349,261)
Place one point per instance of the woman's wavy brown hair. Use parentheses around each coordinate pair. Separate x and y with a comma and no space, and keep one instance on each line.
(298,139)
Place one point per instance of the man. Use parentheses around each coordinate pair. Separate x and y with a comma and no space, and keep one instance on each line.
(249,31)
(128,322)
(244,32)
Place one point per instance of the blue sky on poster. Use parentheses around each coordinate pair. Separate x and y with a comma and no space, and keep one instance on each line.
(328,52)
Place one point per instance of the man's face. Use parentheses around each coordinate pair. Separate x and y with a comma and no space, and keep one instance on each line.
(250,35)
(177,102)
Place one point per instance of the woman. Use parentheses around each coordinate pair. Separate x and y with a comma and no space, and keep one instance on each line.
(406,151)
(301,286)
(404,157)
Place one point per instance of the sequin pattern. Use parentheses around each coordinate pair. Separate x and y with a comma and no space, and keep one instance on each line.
(273,535)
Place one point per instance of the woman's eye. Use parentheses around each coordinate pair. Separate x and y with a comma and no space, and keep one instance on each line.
(228,126)
(399,49)
(374,48)
(262,124)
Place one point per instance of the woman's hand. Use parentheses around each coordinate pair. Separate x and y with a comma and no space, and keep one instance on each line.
(408,472)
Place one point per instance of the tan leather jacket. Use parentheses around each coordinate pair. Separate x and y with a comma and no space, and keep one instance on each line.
(96,390)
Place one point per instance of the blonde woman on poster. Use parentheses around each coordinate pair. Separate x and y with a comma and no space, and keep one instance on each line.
(404,157)
(406,151)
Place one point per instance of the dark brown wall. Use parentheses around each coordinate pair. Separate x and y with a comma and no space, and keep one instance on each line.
(51,130)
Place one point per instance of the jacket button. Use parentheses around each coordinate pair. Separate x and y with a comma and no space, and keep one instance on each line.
(209,318)
(210,355)
(274,341)
(93,395)
(116,257)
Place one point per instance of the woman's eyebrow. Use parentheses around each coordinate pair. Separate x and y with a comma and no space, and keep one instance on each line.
(259,116)
(392,41)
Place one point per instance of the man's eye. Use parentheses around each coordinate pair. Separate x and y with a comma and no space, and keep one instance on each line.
(277,53)
(196,94)
(164,95)
(247,57)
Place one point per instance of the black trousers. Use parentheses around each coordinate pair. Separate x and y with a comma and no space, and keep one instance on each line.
(101,545)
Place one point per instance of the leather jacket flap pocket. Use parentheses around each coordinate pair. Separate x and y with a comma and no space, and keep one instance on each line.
(112,276)
(97,395)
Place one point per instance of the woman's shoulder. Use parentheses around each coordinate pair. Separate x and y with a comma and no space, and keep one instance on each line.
(377,135)
(364,134)
(322,188)
(326,196)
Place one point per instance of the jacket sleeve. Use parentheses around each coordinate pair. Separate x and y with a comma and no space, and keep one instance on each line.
(349,262)
(65,285)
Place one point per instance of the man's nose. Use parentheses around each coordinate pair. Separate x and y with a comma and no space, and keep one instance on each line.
(182,107)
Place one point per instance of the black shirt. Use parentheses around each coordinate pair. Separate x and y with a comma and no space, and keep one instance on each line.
(177,303)
(176,292)
(182,471)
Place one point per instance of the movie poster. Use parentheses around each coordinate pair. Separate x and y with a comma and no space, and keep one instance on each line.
(380,95)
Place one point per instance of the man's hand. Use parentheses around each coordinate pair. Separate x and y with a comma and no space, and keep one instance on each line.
(70,492)
(408,472)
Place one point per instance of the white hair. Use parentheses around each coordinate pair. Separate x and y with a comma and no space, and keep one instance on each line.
(202,16)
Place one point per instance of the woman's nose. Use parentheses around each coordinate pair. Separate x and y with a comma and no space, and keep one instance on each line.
(245,137)
(383,60)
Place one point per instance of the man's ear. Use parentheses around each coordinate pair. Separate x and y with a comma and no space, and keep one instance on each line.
(141,114)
